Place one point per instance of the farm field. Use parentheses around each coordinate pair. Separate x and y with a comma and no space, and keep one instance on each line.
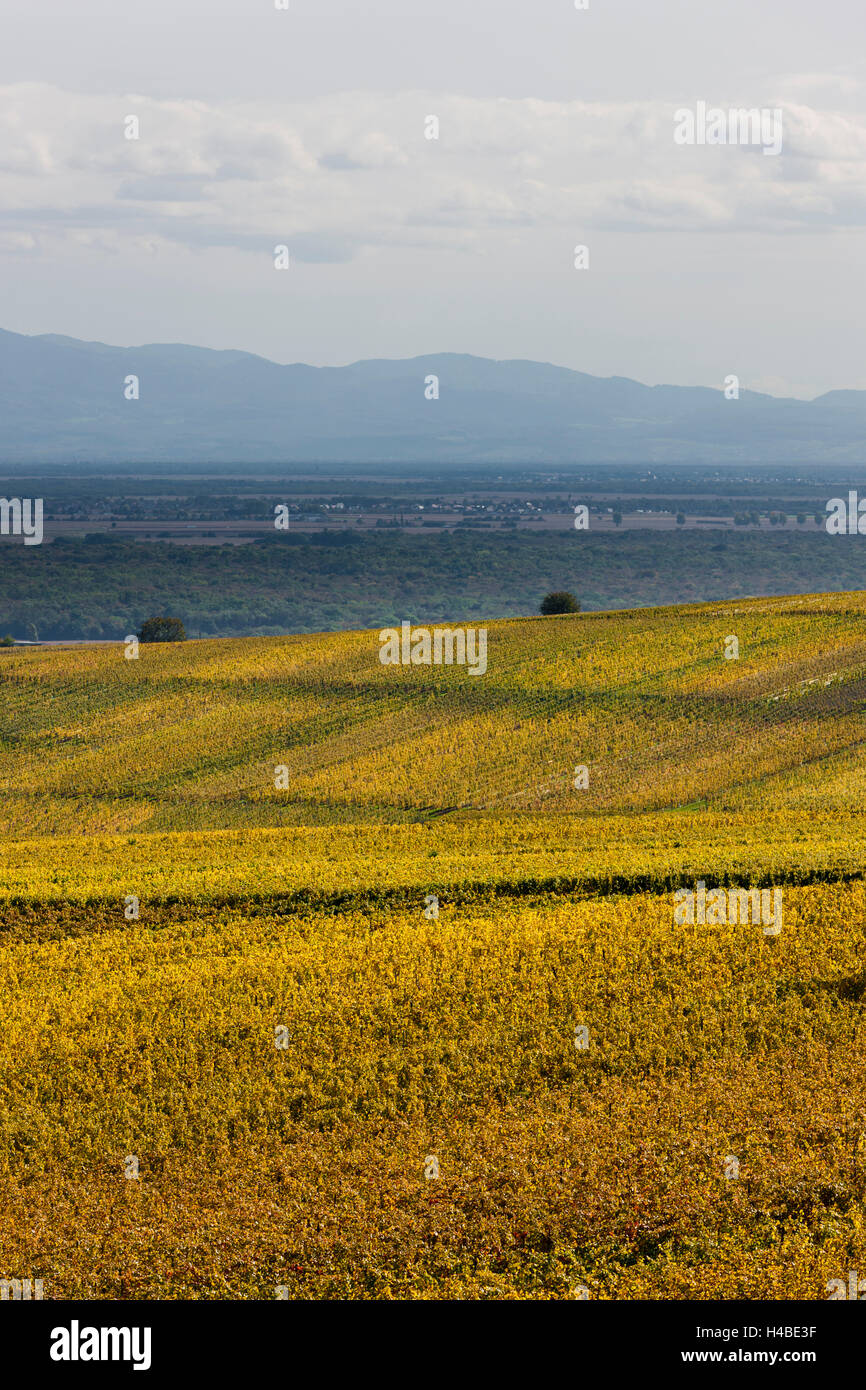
(242,1056)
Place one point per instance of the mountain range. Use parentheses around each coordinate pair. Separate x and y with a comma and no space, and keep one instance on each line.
(65,401)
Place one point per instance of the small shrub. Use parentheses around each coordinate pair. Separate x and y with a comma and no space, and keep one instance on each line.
(162,630)
(559,602)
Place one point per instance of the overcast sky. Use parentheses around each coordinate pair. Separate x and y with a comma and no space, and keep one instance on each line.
(261,127)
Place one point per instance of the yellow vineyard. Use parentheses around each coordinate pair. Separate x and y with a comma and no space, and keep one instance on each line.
(321,978)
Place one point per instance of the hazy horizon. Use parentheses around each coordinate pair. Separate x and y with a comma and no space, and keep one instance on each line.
(415,357)
(308,128)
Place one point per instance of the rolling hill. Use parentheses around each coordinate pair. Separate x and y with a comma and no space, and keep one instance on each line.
(284,925)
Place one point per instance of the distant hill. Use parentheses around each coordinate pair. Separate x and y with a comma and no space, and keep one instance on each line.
(63,401)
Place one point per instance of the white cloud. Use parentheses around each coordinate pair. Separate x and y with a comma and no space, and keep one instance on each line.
(351,171)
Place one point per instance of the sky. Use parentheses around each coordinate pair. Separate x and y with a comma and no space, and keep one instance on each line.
(306,127)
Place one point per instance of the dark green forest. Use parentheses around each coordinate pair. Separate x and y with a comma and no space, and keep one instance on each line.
(104,588)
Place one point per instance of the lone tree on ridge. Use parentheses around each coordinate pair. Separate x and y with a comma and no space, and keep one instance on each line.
(559,602)
(162,630)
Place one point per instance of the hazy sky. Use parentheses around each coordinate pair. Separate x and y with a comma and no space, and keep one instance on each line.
(306,127)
